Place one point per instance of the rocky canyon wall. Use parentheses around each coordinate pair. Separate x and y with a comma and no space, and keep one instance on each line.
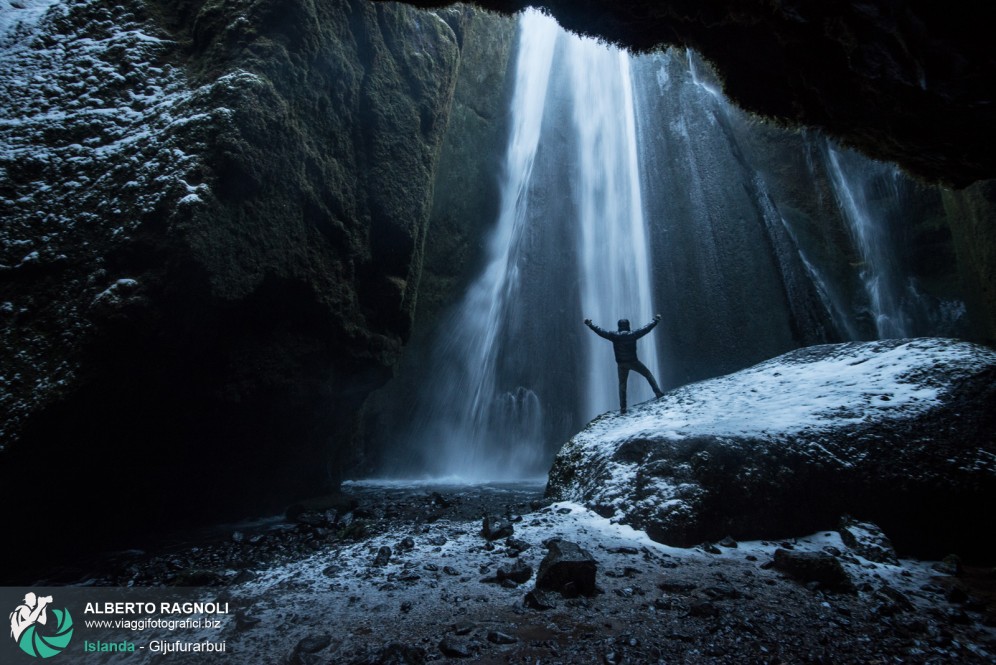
(214,228)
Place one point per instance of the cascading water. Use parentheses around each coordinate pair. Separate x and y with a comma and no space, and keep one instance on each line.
(508,371)
(612,160)
(864,189)
(614,261)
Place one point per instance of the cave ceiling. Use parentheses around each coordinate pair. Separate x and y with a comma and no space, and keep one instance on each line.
(907,82)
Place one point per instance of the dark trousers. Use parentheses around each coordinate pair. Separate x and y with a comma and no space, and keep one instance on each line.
(640,368)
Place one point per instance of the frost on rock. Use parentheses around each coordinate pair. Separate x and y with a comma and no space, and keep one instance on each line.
(894,431)
(100,135)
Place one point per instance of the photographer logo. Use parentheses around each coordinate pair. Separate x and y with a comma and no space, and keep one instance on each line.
(34,634)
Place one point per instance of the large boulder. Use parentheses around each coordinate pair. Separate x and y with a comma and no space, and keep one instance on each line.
(898,432)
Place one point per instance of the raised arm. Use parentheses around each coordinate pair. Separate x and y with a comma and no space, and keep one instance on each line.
(640,332)
(598,331)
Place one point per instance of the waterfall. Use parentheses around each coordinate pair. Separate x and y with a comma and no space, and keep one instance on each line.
(867,192)
(514,369)
(614,266)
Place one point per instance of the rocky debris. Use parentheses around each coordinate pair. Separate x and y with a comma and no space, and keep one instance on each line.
(679,606)
(519,572)
(867,540)
(396,654)
(495,528)
(789,445)
(567,568)
(814,567)
(452,647)
(515,547)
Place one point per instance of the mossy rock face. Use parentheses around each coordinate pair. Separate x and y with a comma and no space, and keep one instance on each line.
(214,276)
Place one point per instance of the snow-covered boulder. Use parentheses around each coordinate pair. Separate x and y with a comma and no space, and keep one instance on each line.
(898,432)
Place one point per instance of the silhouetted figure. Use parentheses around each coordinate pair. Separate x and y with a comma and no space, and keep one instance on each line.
(624,346)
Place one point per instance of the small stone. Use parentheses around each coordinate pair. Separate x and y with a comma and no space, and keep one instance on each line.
(454,648)
(494,528)
(728,542)
(703,608)
(867,540)
(464,628)
(383,556)
(818,567)
(399,654)
(519,573)
(313,644)
(407,543)
(567,568)
(238,537)
(449,570)
(500,638)
(709,548)
(539,600)
(244,622)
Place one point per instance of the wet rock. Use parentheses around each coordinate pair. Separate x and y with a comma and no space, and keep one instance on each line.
(867,540)
(407,544)
(728,542)
(494,528)
(454,648)
(436,540)
(519,573)
(703,608)
(538,599)
(245,622)
(238,537)
(398,654)
(464,628)
(383,556)
(516,546)
(709,548)
(450,570)
(567,568)
(818,567)
(304,652)
(500,638)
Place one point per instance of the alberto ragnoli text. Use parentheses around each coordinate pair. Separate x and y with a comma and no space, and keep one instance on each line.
(182,615)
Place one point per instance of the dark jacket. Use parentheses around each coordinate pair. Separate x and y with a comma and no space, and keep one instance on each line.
(624,341)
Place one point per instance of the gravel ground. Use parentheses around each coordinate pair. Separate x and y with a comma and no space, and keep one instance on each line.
(392,574)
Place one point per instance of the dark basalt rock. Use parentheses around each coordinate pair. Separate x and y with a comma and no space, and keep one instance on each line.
(567,568)
(908,83)
(818,567)
(867,540)
(494,528)
(217,291)
(519,572)
(789,445)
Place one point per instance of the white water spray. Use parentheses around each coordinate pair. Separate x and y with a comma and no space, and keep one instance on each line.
(485,408)
(883,283)
(614,270)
